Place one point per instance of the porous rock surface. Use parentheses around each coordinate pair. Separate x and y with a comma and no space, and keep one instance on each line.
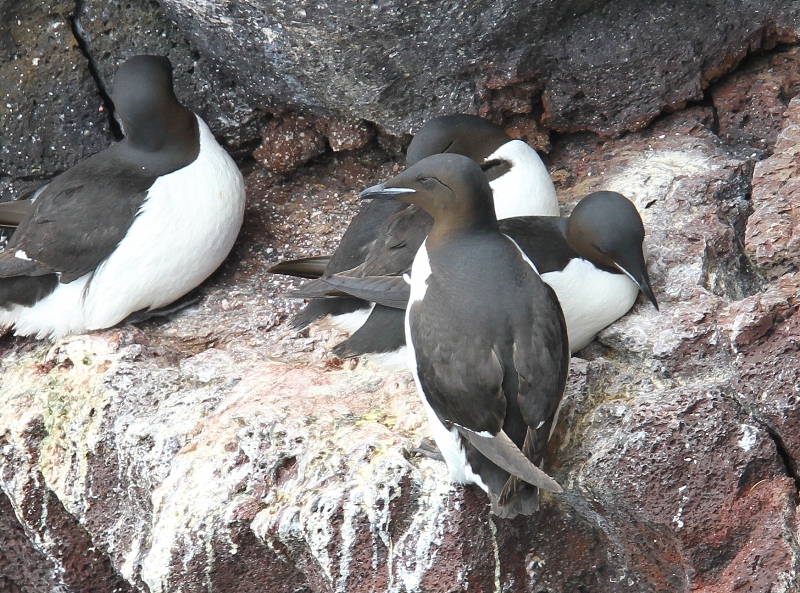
(605,66)
(597,65)
(114,30)
(51,116)
(220,451)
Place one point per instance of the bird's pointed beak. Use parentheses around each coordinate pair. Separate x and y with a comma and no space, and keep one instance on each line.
(644,286)
(637,271)
(381,192)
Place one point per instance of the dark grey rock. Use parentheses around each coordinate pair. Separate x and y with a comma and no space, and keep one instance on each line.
(567,66)
(51,116)
(115,30)
(53,113)
(601,66)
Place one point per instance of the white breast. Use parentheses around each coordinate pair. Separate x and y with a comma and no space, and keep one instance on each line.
(351,322)
(420,271)
(395,361)
(182,233)
(590,298)
(56,315)
(526,189)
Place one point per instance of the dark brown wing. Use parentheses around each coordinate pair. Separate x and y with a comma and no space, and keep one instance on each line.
(79,219)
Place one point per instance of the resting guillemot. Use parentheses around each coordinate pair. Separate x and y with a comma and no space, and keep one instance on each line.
(519,180)
(131,229)
(593,259)
(487,340)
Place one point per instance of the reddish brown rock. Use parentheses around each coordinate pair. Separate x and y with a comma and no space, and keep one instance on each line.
(22,566)
(55,532)
(343,134)
(773,231)
(530,130)
(768,366)
(288,141)
(652,471)
(513,103)
(219,450)
(219,444)
(751,321)
(751,102)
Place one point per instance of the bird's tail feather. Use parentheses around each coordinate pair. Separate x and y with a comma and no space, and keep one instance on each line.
(502,451)
(305,267)
(525,500)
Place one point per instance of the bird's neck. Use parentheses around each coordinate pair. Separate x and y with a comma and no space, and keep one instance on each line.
(173,146)
(158,133)
(452,228)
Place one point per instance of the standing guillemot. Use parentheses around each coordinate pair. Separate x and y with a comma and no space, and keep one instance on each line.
(519,180)
(130,229)
(487,340)
(593,259)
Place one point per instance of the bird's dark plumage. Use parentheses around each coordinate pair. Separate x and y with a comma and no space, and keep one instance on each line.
(604,231)
(383,239)
(71,227)
(79,219)
(489,347)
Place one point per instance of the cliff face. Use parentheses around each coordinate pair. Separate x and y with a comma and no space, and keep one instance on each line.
(219,451)
(566,65)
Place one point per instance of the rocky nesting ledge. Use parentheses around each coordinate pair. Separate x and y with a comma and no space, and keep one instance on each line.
(219,451)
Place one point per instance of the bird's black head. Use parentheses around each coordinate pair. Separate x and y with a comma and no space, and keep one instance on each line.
(468,135)
(450,187)
(144,99)
(606,229)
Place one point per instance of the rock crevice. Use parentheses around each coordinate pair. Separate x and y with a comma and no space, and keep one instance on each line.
(102,89)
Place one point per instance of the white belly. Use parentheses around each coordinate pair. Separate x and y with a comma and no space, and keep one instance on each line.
(591,299)
(351,322)
(182,233)
(395,361)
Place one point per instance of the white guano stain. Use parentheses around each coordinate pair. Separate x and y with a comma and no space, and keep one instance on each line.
(652,175)
(749,437)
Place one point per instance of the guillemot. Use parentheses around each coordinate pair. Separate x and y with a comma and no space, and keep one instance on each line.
(520,183)
(486,338)
(131,229)
(593,259)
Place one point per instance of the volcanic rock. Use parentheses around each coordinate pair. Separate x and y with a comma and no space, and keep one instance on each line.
(51,114)
(219,450)
(605,66)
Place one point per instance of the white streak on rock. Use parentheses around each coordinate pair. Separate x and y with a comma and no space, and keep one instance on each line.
(749,437)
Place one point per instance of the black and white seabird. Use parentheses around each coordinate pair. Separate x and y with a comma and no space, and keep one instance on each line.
(520,183)
(487,340)
(130,229)
(593,259)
